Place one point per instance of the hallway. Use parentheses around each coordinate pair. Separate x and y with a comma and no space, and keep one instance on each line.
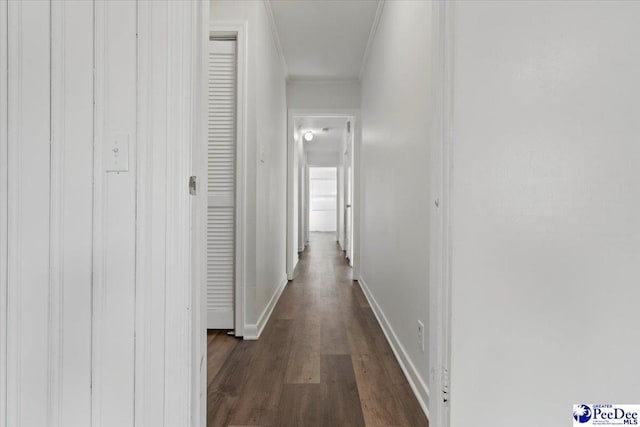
(322,359)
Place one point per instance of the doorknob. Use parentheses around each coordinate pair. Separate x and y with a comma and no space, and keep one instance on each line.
(348,206)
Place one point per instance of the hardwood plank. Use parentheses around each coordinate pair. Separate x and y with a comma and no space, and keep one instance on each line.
(333,335)
(356,334)
(219,347)
(339,392)
(374,333)
(225,388)
(399,386)
(288,306)
(264,383)
(219,408)
(362,299)
(379,405)
(304,359)
(300,405)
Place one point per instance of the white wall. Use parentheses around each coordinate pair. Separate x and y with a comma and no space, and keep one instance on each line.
(546,210)
(323,94)
(395,178)
(266,157)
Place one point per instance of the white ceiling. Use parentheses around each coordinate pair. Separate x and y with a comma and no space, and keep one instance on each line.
(324,39)
(322,141)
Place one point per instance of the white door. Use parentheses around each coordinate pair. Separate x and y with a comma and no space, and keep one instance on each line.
(221,172)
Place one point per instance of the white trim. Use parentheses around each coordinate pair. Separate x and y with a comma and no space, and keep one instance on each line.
(292,114)
(416,382)
(254,330)
(441,253)
(179,326)
(240,31)
(276,37)
(4,202)
(201,22)
(372,36)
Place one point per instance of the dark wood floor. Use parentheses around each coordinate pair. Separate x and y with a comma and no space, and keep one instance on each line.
(322,359)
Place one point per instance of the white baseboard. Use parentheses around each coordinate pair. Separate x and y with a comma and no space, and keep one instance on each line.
(252,331)
(416,382)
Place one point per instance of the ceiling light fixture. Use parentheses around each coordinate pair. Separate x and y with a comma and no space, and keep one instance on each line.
(308,136)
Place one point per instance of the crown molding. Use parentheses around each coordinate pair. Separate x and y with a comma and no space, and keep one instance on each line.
(372,36)
(276,37)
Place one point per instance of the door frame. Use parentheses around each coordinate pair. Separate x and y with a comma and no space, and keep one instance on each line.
(292,114)
(237,29)
(441,211)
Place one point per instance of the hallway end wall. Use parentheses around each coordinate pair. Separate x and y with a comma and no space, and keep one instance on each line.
(395,155)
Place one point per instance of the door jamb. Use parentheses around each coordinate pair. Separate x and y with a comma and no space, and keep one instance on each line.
(441,257)
(292,114)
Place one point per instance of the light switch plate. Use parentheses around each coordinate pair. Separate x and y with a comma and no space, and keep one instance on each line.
(116,153)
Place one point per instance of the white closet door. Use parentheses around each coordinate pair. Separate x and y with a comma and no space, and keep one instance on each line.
(221,184)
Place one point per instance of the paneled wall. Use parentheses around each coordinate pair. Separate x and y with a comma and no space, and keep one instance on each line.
(115,214)
(97,304)
(29,233)
(71,191)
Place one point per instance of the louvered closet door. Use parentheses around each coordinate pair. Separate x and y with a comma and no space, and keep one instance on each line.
(221,184)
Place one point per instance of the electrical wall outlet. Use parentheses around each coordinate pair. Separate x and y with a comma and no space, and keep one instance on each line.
(421,336)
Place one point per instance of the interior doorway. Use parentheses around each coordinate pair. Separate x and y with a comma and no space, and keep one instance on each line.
(322,181)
